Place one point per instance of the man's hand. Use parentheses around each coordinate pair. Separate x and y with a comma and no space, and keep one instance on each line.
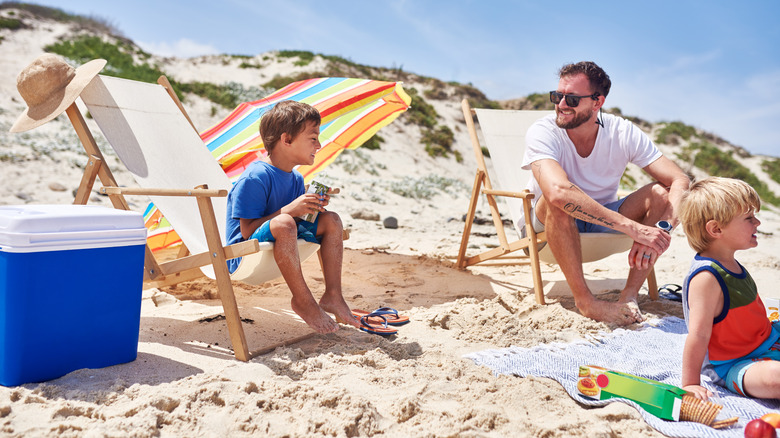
(641,256)
(649,244)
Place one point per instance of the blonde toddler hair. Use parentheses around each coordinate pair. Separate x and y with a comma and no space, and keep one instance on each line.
(718,199)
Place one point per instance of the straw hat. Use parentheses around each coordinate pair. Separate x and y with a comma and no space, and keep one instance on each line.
(49,86)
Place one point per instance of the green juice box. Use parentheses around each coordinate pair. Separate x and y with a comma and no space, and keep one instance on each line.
(320,189)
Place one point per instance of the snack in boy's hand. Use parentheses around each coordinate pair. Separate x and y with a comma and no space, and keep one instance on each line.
(321,190)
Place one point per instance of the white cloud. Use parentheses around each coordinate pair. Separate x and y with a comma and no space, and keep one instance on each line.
(183,48)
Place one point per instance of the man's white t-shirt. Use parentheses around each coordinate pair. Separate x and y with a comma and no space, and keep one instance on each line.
(618,143)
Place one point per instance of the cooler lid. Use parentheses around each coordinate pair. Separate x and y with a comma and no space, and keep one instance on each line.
(25,228)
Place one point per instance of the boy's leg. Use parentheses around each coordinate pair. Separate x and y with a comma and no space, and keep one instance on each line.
(285,231)
(329,230)
(762,379)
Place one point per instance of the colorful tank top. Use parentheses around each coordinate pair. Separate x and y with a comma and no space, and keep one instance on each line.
(742,327)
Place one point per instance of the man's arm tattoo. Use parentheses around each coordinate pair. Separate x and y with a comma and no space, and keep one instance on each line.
(577,212)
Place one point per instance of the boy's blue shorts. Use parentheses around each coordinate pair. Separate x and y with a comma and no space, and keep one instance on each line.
(306,231)
(736,374)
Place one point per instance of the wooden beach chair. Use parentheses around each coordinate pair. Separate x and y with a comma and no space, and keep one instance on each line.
(154,138)
(503,133)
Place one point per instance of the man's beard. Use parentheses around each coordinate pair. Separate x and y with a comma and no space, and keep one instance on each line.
(579,119)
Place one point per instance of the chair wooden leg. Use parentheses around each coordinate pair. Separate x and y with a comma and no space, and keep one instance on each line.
(88,180)
(224,286)
(652,285)
(533,252)
(464,239)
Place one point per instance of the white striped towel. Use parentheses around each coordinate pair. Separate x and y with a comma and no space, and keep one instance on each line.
(654,351)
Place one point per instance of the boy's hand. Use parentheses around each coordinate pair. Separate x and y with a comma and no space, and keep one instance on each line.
(305,204)
(698,391)
(325,199)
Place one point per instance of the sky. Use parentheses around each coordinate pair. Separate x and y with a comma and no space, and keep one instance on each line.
(712,64)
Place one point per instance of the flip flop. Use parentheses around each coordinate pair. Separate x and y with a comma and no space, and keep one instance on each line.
(672,292)
(389,315)
(376,329)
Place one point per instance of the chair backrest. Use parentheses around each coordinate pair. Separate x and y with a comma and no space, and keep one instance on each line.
(503,132)
(158,145)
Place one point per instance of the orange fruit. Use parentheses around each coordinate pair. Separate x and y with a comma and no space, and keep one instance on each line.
(772,418)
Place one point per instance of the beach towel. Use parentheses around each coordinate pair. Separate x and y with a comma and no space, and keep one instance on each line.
(654,351)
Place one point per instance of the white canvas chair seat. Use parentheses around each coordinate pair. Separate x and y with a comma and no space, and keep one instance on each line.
(259,267)
(158,145)
(503,133)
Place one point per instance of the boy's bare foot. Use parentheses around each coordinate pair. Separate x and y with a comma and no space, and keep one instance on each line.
(314,316)
(614,313)
(335,304)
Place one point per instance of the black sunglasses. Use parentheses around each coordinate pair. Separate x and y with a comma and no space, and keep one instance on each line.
(572,100)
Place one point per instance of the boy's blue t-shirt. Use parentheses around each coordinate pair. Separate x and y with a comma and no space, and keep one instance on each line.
(261,190)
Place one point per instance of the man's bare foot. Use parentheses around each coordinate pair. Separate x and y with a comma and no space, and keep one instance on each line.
(634,306)
(334,303)
(614,313)
(314,316)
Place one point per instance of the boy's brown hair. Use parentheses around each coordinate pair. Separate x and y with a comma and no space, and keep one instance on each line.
(718,199)
(287,116)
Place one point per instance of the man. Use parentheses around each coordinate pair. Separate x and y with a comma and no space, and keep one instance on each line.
(577,160)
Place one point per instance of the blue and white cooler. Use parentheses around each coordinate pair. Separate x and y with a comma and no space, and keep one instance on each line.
(71,278)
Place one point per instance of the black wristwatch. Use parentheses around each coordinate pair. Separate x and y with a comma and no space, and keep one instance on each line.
(664,225)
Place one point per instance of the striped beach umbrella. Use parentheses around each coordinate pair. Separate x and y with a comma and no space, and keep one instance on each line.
(352,111)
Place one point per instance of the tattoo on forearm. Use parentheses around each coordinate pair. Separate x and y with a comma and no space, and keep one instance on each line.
(576,211)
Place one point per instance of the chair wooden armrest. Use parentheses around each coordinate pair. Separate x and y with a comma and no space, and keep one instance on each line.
(525,194)
(208,193)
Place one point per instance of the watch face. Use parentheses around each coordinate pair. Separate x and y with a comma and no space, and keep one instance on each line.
(664,225)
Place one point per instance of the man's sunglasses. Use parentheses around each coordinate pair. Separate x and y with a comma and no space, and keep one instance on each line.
(572,100)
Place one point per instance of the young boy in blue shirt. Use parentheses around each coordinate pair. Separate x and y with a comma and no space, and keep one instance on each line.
(730,339)
(267,200)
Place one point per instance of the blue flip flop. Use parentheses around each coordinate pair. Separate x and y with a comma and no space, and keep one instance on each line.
(386,314)
(672,292)
(376,329)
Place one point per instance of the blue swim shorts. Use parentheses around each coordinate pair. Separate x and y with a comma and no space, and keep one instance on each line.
(736,374)
(306,231)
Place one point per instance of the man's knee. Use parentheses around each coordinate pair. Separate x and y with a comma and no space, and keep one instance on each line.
(659,199)
(555,215)
(660,192)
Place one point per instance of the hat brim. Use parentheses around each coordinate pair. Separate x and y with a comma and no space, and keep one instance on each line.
(54,105)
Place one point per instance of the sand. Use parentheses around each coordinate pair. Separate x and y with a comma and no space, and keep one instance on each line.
(185,381)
